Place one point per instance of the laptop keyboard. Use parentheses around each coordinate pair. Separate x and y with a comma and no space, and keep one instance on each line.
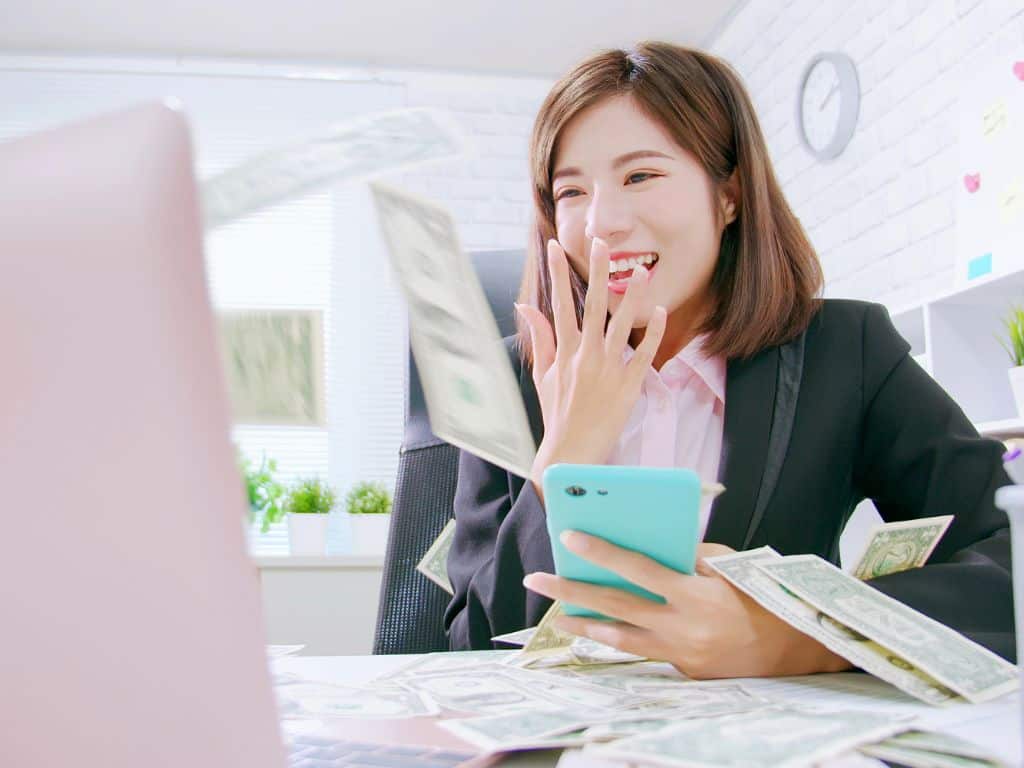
(320,752)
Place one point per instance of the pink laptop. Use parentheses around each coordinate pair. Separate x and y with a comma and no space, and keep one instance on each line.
(130,630)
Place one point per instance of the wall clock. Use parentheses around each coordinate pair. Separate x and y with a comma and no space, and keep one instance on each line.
(827,104)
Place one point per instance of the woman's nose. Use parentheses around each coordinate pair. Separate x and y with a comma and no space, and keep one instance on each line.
(608,215)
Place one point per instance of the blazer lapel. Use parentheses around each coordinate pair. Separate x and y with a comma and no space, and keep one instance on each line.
(750,386)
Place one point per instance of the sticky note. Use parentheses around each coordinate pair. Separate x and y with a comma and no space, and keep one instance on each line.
(982,265)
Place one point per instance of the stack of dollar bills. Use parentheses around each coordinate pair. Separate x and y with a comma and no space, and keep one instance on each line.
(641,712)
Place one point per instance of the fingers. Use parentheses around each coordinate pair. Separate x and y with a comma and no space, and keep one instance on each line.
(622,320)
(542,340)
(610,601)
(595,310)
(567,334)
(633,566)
(648,348)
(636,640)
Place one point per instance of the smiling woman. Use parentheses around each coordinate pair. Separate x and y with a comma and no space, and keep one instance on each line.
(670,316)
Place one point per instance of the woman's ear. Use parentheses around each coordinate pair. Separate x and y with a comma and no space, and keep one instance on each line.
(729,199)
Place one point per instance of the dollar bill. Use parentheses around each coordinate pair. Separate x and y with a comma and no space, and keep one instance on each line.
(583,693)
(546,639)
(443,661)
(494,689)
(522,730)
(913,758)
(585,651)
(773,738)
(363,146)
(974,672)
(686,700)
(944,743)
(434,564)
(636,677)
(304,699)
(472,395)
(895,547)
(742,571)
(520,637)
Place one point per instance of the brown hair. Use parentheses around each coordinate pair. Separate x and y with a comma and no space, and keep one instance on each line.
(767,278)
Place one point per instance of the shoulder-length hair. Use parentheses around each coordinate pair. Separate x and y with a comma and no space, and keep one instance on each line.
(767,278)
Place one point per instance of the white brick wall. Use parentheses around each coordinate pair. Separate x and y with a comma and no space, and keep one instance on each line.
(488,192)
(882,214)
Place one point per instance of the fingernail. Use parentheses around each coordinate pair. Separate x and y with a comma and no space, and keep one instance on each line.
(528,581)
(519,308)
(573,541)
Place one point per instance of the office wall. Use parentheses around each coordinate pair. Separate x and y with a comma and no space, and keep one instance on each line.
(881,214)
(489,191)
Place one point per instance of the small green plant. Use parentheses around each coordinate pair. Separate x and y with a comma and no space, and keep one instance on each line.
(311,496)
(368,498)
(1014,324)
(264,493)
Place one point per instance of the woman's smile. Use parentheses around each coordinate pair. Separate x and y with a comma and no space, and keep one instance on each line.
(622,264)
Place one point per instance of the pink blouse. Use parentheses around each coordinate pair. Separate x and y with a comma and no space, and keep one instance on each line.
(679,418)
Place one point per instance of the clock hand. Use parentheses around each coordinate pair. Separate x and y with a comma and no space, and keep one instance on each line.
(828,96)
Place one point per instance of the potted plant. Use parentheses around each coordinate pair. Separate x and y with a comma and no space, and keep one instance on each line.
(264,493)
(308,505)
(1014,324)
(369,513)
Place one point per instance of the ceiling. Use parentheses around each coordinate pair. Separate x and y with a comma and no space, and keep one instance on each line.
(527,38)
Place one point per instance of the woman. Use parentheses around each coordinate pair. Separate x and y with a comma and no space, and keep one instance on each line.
(653,187)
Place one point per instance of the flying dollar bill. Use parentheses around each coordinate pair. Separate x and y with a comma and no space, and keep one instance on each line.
(472,395)
(434,564)
(361,147)
(895,547)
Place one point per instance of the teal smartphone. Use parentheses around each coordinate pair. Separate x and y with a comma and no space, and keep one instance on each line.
(651,510)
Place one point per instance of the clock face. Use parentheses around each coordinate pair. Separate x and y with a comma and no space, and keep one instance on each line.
(820,105)
(828,104)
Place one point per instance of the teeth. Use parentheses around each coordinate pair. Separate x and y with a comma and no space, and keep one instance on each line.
(628,265)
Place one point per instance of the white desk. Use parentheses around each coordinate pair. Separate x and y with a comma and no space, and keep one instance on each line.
(995,724)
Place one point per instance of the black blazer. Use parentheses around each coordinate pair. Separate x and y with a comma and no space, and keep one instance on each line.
(811,428)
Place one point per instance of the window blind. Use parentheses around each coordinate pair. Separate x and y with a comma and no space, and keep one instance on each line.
(308,253)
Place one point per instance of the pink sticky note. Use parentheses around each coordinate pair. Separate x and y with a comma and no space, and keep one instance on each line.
(1018,70)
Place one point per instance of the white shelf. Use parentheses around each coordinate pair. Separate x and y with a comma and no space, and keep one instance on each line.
(1003,428)
(955,337)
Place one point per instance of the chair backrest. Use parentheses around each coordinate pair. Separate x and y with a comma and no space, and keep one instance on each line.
(409,617)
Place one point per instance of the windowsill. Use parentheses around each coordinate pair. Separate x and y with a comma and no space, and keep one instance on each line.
(341,562)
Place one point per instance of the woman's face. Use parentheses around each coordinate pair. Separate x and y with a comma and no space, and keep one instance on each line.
(619,177)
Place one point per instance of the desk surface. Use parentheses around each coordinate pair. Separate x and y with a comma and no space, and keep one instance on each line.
(995,724)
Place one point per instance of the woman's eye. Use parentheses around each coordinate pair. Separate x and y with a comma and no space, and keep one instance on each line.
(635,178)
(567,193)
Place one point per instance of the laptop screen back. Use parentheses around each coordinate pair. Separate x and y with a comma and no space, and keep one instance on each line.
(131,630)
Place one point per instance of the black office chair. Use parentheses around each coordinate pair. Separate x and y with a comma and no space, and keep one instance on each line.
(411,610)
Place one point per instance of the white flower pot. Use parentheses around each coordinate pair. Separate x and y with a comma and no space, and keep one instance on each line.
(307,534)
(369,533)
(1017,385)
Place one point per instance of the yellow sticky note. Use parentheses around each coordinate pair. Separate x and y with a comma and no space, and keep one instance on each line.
(994,119)
(1011,201)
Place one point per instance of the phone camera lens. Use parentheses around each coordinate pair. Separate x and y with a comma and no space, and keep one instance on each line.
(575,490)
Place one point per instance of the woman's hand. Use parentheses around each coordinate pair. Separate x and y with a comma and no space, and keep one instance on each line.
(586,391)
(706,629)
